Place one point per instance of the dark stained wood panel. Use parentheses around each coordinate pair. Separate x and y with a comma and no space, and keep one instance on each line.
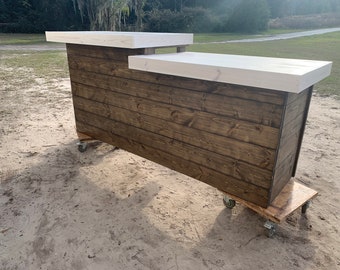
(186,136)
(226,126)
(293,124)
(240,170)
(100,52)
(242,140)
(283,173)
(243,109)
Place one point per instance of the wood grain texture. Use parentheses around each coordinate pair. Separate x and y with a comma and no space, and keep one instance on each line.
(98,54)
(183,148)
(239,139)
(215,143)
(293,123)
(199,120)
(237,108)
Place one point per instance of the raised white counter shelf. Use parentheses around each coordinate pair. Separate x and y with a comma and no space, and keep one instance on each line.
(289,75)
(129,40)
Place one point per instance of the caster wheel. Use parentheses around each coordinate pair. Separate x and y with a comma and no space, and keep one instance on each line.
(82,147)
(229,203)
(305,207)
(271,228)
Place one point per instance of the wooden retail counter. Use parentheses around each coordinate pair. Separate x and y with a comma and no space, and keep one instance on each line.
(233,122)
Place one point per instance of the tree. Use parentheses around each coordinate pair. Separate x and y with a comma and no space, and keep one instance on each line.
(4,15)
(29,16)
(282,8)
(249,16)
(152,15)
(110,14)
(276,8)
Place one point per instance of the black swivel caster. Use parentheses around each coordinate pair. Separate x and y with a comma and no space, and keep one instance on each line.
(271,228)
(305,207)
(229,203)
(82,146)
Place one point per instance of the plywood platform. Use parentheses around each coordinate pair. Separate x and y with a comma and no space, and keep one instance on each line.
(293,196)
(84,137)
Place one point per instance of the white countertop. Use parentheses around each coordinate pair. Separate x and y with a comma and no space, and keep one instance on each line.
(130,40)
(289,75)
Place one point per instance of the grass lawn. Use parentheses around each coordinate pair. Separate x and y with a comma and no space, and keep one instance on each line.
(20,69)
(215,37)
(21,39)
(320,47)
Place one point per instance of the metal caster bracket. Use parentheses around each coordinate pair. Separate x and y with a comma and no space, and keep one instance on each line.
(82,146)
(229,203)
(305,207)
(271,228)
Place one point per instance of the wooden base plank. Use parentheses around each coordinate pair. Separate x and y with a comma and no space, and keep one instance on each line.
(84,137)
(293,196)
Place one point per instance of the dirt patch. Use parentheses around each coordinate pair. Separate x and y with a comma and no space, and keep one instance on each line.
(108,209)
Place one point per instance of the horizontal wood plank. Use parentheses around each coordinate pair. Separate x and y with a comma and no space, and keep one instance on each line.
(106,54)
(283,173)
(290,142)
(296,107)
(293,124)
(290,138)
(248,110)
(203,144)
(225,126)
(262,113)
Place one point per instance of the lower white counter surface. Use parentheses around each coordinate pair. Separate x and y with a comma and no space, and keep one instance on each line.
(289,75)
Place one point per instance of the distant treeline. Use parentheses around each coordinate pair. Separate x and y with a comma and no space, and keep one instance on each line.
(29,16)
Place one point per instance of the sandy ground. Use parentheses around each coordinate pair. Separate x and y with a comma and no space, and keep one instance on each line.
(108,209)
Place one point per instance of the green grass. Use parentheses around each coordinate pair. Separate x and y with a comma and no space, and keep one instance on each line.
(216,37)
(23,70)
(21,39)
(44,64)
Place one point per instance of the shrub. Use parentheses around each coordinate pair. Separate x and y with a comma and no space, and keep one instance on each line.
(196,20)
(306,21)
(249,16)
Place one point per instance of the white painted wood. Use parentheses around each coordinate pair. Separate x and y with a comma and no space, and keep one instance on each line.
(131,40)
(289,75)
